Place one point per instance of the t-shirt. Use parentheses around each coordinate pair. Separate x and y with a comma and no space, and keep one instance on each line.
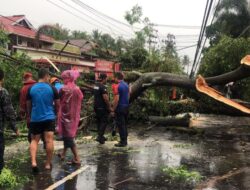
(99,90)
(115,88)
(58,86)
(42,96)
(122,89)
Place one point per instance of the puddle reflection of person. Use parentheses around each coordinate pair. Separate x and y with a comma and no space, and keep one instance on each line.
(69,184)
(111,169)
(103,171)
(121,170)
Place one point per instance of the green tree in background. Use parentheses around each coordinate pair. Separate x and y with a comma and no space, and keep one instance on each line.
(13,70)
(57,31)
(225,57)
(76,34)
(232,19)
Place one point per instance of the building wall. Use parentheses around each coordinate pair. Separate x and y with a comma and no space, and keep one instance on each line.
(62,61)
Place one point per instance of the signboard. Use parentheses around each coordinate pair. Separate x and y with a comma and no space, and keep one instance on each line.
(104,66)
(108,67)
(69,48)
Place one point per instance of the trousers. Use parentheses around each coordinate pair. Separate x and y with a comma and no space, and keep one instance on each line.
(102,121)
(121,122)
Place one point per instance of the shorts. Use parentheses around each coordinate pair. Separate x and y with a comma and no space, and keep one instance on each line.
(38,128)
(68,142)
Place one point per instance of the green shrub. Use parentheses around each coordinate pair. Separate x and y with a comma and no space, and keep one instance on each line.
(8,179)
(181,173)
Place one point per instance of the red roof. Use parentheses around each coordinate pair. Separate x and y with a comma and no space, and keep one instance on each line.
(10,24)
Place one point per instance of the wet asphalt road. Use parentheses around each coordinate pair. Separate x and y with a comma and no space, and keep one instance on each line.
(139,165)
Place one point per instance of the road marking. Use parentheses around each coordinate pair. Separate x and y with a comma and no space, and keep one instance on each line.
(69,177)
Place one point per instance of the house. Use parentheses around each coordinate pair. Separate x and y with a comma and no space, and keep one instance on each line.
(56,55)
(45,51)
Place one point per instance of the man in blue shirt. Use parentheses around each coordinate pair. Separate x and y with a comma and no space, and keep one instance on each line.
(121,106)
(42,106)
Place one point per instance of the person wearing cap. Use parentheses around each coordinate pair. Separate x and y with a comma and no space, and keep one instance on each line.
(27,83)
(102,107)
(56,83)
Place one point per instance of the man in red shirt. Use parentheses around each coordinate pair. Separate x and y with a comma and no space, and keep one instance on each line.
(27,83)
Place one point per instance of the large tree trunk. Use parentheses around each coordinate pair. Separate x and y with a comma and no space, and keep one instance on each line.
(147,80)
(171,120)
(202,121)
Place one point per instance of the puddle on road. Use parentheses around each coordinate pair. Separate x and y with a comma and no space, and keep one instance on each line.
(140,165)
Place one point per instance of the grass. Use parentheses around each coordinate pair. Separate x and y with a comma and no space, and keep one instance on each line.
(8,179)
(182,174)
(14,175)
(184,146)
(11,139)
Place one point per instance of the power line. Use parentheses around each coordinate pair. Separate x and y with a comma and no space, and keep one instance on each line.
(96,13)
(60,7)
(101,23)
(181,35)
(200,37)
(81,12)
(202,32)
(100,13)
(204,43)
(176,26)
(185,42)
(186,47)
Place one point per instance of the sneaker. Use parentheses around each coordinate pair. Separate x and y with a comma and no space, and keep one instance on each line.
(121,144)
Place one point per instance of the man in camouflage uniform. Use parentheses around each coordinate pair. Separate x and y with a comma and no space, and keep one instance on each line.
(6,112)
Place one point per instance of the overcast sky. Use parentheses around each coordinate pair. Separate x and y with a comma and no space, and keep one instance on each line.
(168,12)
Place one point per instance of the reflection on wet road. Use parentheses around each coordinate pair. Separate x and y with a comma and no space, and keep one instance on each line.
(139,165)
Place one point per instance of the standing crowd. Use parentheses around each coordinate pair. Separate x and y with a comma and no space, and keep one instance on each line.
(49,106)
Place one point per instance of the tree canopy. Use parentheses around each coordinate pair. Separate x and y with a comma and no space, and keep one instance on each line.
(232,19)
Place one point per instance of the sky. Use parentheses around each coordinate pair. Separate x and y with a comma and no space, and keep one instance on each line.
(167,12)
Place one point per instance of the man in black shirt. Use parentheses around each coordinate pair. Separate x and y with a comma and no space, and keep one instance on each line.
(102,107)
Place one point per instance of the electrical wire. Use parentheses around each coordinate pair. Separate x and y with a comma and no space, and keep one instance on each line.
(204,43)
(202,32)
(186,47)
(101,23)
(62,8)
(100,13)
(176,26)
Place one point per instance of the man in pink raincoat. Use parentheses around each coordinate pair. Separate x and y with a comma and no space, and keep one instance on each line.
(69,113)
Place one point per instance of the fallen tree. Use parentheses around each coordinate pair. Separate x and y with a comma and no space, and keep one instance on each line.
(202,121)
(147,80)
